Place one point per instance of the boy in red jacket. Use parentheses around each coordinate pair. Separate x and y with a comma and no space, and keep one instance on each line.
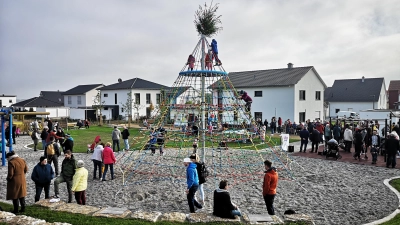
(269,186)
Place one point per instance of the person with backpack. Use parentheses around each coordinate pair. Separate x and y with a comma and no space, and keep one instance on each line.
(42,175)
(52,153)
(202,174)
(35,138)
(68,167)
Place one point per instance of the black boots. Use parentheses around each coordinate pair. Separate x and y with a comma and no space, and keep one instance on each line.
(16,203)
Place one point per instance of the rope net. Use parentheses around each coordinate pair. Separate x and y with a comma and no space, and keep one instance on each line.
(232,144)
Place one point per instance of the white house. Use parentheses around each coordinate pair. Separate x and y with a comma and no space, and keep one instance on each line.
(80,100)
(183,101)
(7,100)
(143,93)
(357,95)
(48,101)
(294,93)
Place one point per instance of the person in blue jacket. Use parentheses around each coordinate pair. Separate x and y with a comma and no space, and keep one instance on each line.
(42,175)
(214,48)
(192,180)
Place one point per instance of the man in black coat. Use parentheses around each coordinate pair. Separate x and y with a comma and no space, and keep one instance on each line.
(68,143)
(304,135)
(358,142)
(391,147)
(314,137)
(223,207)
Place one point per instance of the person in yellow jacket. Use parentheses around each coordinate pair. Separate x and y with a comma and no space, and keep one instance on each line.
(79,183)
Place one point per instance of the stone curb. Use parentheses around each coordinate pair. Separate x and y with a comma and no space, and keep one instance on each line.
(397,211)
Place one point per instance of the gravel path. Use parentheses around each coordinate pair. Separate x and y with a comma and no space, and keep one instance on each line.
(331,192)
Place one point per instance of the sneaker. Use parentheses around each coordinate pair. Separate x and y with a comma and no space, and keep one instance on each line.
(56,196)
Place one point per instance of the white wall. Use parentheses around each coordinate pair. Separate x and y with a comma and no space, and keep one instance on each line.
(345,106)
(54,112)
(89,97)
(312,107)
(74,101)
(5,101)
(383,98)
(78,113)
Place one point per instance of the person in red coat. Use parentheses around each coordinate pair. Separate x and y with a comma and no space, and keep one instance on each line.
(269,186)
(108,160)
(190,62)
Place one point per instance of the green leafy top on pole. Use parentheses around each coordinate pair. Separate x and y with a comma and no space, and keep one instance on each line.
(206,21)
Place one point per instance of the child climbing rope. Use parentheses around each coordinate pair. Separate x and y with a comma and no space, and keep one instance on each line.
(209,60)
(191,60)
(214,48)
(247,99)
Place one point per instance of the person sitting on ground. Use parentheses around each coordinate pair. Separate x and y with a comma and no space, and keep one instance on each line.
(79,124)
(87,123)
(42,175)
(247,99)
(79,183)
(223,206)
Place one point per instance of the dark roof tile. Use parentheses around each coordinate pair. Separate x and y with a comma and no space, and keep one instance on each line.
(394,85)
(135,83)
(354,90)
(81,89)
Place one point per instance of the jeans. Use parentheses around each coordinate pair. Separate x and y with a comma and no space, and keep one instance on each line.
(106,169)
(269,202)
(303,143)
(39,188)
(44,145)
(115,142)
(80,197)
(201,192)
(236,212)
(62,179)
(54,159)
(96,165)
(126,142)
(190,197)
(272,130)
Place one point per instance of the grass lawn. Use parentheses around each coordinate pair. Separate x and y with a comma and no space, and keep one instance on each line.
(83,137)
(396,220)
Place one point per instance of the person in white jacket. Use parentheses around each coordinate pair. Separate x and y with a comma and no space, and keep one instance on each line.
(97,159)
(348,138)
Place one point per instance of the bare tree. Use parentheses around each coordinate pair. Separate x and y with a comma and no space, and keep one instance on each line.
(98,106)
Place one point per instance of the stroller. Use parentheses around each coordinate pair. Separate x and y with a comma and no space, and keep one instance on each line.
(332,149)
(93,145)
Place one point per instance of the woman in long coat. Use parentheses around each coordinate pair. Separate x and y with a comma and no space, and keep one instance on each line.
(16,182)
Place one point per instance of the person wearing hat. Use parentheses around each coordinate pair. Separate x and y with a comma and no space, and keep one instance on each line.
(16,181)
(79,183)
(42,175)
(68,143)
(192,180)
(97,160)
(68,167)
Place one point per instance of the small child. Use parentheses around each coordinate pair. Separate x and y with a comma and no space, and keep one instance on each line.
(374,153)
(190,62)
(210,129)
(262,134)
(195,146)
(17,132)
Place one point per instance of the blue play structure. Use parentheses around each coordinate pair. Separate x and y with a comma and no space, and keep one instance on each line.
(5,113)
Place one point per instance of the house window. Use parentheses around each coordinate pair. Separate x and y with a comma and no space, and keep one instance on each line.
(158,97)
(10,101)
(105,108)
(105,95)
(69,100)
(137,98)
(258,115)
(115,98)
(257,93)
(302,95)
(122,109)
(337,110)
(148,100)
(79,100)
(318,95)
(302,117)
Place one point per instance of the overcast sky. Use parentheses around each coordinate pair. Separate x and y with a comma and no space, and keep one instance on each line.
(56,45)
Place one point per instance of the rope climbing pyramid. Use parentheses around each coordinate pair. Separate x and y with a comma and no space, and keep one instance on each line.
(202,113)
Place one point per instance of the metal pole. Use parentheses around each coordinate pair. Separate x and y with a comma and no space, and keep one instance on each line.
(385,135)
(203,101)
(11,132)
(3,143)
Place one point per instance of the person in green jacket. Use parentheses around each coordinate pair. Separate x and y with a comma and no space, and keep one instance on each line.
(68,167)
(79,183)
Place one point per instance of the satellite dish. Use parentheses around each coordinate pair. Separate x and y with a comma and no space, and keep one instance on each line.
(119,80)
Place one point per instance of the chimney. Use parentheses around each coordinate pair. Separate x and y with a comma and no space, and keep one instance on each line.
(362,79)
(290,65)
(119,80)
